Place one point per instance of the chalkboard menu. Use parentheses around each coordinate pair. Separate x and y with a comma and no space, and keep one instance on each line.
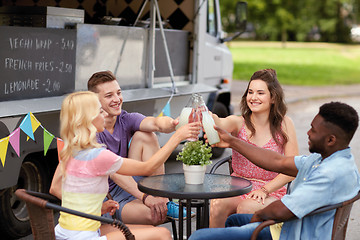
(36,62)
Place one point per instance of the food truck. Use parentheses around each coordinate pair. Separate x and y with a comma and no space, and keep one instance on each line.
(161,52)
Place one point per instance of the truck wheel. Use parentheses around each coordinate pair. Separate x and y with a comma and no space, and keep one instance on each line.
(14,219)
(220,110)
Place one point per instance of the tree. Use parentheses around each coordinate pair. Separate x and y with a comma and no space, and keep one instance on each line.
(305,20)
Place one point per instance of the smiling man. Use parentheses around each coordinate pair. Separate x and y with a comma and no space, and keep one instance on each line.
(131,135)
(328,176)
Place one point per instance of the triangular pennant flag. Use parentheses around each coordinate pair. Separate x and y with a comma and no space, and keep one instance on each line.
(48,137)
(3,149)
(14,139)
(161,114)
(34,122)
(60,146)
(26,126)
(166,110)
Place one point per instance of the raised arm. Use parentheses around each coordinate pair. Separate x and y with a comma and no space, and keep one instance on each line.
(263,158)
(231,124)
(158,124)
(135,168)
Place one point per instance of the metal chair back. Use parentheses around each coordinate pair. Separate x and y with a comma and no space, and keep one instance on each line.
(341,218)
(40,207)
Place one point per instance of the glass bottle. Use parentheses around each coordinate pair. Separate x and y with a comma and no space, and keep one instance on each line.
(207,122)
(185,113)
(194,115)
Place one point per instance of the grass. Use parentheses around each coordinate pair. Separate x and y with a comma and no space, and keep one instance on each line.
(313,64)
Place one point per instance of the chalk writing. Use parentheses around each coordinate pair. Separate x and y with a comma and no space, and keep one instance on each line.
(36,62)
(18,64)
(24,43)
(20,86)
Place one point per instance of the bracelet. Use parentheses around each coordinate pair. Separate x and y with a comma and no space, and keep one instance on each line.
(144,197)
(265,191)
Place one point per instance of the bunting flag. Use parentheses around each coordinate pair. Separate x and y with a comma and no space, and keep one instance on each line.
(14,139)
(34,122)
(4,142)
(26,126)
(166,110)
(48,137)
(60,146)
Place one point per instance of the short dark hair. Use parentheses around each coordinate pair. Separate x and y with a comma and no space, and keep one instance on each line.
(98,78)
(342,115)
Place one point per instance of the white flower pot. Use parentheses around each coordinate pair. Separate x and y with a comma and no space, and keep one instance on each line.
(194,174)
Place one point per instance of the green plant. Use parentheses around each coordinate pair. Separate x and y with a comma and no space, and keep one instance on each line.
(195,153)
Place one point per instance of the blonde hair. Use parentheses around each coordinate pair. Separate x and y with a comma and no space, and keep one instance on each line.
(78,110)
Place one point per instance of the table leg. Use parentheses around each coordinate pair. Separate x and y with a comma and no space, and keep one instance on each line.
(198,216)
(181,221)
(188,218)
(206,213)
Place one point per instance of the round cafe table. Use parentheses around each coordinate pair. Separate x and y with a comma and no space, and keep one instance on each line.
(214,186)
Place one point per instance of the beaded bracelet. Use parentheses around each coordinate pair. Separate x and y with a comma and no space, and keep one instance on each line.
(144,197)
(265,191)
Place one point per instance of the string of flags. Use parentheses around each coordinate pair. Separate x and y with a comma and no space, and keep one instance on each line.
(28,125)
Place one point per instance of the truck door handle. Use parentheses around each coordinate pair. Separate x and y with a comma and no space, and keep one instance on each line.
(217,57)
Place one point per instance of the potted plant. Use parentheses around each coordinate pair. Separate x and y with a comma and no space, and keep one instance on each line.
(195,156)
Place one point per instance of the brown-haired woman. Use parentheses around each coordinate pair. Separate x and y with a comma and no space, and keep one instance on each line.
(263,123)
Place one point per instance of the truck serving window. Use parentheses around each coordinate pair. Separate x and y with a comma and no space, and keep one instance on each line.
(211,18)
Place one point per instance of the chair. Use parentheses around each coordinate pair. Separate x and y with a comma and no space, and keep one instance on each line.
(227,159)
(171,220)
(40,208)
(341,218)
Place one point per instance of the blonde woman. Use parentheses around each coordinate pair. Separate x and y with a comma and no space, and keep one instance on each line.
(86,166)
(263,123)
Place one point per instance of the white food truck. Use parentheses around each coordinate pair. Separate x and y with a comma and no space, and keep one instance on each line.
(51,48)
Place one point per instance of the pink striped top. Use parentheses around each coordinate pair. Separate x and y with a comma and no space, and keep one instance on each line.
(85,186)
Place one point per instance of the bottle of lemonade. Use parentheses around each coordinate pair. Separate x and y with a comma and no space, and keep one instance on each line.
(189,113)
(208,122)
(185,113)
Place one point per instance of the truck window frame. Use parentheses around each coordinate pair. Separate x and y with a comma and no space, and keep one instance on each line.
(211,18)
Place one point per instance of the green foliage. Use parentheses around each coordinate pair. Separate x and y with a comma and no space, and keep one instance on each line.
(195,153)
(299,63)
(297,20)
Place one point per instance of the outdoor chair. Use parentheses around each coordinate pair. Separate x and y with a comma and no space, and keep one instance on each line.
(168,220)
(40,208)
(227,159)
(341,218)
(341,215)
